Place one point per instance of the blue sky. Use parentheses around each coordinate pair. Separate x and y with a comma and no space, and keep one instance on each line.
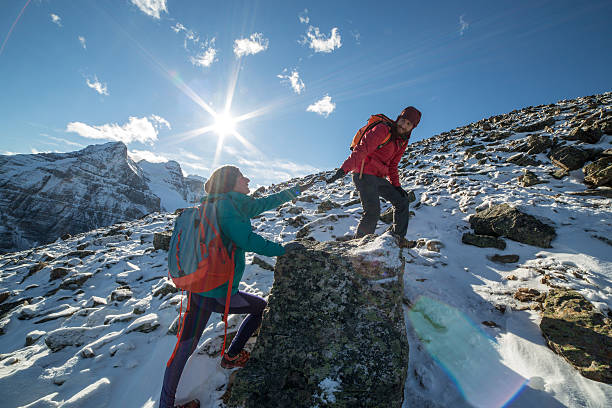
(302,77)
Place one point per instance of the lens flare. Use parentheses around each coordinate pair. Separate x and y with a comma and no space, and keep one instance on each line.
(465,353)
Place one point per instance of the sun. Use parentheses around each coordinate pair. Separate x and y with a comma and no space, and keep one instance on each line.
(224,124)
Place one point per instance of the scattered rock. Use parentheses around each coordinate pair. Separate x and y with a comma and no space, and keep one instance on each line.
(161,240)
(569,157)
(434,245)
(297,221)
(75,281)
(511,277)
(71,336)
(504,220)
(504,258)
(483,241)
(535,126)
(326,206)
(164,288)
(80,254)
(307,198)
(120,294)
(599,173)
(522,159)
(532,144)
(4,295)
(295,210)
(529,178)
(87,352)
(586,134)
(144,324)
(529,295)
(58,273)
(32,336)
(360,344)
(559,174)
(490,323)
(352,202)
(387,216)
(96,301)
(262,264)
(574,330)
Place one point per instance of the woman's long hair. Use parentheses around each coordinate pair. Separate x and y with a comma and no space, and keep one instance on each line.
(222,180)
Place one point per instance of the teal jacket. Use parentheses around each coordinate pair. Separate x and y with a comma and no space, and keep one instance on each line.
(234,211)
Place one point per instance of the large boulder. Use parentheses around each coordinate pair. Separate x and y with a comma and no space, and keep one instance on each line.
(535,126)
(599,173)
(569,158)
(333,333)
(575,331)
(586,134)
(532,144)
(504,220)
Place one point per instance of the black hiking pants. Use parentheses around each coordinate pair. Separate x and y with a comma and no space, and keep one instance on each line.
(370,189)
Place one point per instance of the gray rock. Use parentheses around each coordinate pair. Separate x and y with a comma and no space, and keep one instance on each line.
(71,336)
(569,158)
(529,178)
(334,330)
(586,134)
(161,240)
(262,264)
(599,173)
(121,294)
(4,295)
(33,336)
(507,221)
(144,324)
(535,126)
(574,330)
(532,144)
(522,159)
(58,273)
(326,206)
(80,254)
(166,287)
(297,221)
(559,174)
(483,241)
(504,258)
(75,281)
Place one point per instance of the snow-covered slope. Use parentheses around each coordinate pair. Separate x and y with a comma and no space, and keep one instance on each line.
(44,196)
(167,182)
(86,321)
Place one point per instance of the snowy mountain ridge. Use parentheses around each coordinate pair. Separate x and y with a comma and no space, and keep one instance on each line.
(90,320)
(45,196)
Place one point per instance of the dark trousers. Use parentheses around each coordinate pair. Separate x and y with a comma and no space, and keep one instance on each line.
(370,189)
(196,317)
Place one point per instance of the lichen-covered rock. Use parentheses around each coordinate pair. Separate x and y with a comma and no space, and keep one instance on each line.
(504,220)
(334,331)
(483,241)
(569,158)
(575,331)
(599,173)
(161,241)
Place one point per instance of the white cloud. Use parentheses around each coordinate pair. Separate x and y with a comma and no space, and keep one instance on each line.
(56,19)
(152,8)
(189,155)
(303,16)
(463,25)
(138,155)
(294,79)
(274,170)
(8,153)
(323,106)
(83,42)
(98,86)
(252,45)
(205,59)
(319,42)
(60,140)
(143,130)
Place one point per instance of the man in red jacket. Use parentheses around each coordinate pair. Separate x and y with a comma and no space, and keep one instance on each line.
(374,166)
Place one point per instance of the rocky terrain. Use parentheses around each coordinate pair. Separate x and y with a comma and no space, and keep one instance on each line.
(506,298)
(45,196)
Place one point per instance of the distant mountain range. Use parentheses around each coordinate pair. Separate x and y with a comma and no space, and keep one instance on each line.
(45,196)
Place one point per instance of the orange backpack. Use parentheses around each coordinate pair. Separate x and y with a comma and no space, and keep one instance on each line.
(373,121)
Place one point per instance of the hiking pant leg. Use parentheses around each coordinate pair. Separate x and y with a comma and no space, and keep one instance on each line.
(242,303)
(194,321)
(401,207)
(367,187)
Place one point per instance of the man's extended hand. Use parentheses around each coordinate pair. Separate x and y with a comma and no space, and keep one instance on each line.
(339,174)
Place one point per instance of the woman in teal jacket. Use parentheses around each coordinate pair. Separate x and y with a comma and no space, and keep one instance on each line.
(228,188)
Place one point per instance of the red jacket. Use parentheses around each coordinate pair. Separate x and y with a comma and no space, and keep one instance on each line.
(378,162)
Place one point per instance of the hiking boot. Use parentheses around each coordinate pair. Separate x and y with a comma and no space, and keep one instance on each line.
(191,404)
(239,360)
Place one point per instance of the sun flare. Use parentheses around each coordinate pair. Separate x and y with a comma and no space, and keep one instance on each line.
(224,124)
